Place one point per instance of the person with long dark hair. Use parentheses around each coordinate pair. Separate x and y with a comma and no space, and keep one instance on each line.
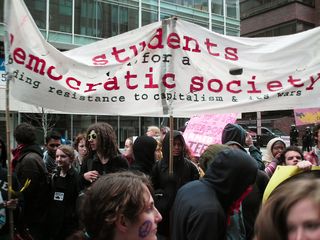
(103,155)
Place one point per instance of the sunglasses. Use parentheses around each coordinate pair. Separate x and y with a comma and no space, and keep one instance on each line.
(91,136)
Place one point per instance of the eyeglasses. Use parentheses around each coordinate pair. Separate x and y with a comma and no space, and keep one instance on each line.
(91,136)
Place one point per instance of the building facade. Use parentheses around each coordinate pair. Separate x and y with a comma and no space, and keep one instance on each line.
(266,18)
(67,24)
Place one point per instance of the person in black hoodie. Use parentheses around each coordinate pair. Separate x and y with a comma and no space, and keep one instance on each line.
(167,185)
(28,165)
(235,136)
(236,133)
(144,148)
(202,208)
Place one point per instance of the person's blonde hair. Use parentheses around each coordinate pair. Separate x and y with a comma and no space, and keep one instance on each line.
(68,150)
(158,151)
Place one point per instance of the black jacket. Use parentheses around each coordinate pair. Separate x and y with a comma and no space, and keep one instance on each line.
(63,220)
(252,203)
(115,164)
(30,165)
(201,207)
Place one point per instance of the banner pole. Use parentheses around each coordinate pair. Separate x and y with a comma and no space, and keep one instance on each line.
(9,177)
(6,10)
(167,105)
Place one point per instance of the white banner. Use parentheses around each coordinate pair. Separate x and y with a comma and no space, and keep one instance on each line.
(166,68)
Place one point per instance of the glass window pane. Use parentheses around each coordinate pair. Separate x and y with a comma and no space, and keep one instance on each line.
(217,6)
(61,15)
(149,17)
(86,18)
(113,121)
(232,8)
(128,19)
(201,5)
(37,8)
(2,12)
(129,128)
(81,123)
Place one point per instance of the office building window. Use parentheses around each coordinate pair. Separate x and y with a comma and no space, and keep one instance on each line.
(217,6)
(128,19)
(1,12)
(104,20)
(86,18)
(232,8)
(37,8)
(60,13)
(149,11)
(149,17)
(252,7)
(283,29)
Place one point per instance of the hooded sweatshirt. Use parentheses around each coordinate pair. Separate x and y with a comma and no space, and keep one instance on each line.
(235,133)
(200,210)
(251,204)
(267,155)
(144,148)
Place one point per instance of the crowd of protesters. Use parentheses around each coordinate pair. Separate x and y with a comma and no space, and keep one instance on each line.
(92,190)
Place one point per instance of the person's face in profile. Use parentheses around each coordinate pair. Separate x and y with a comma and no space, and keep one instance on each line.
(303,221)
(128,147)
(146,226)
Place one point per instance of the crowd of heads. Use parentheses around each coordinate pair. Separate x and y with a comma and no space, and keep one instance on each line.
(118,198)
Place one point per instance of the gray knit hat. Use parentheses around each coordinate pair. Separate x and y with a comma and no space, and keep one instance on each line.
(209,154)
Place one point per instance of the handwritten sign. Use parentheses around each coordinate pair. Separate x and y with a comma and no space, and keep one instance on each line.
(204,130)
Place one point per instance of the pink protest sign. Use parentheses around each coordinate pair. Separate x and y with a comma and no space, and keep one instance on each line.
(204,130)
(307,116)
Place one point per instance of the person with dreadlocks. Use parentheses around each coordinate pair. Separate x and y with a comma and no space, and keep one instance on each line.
(103,154)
